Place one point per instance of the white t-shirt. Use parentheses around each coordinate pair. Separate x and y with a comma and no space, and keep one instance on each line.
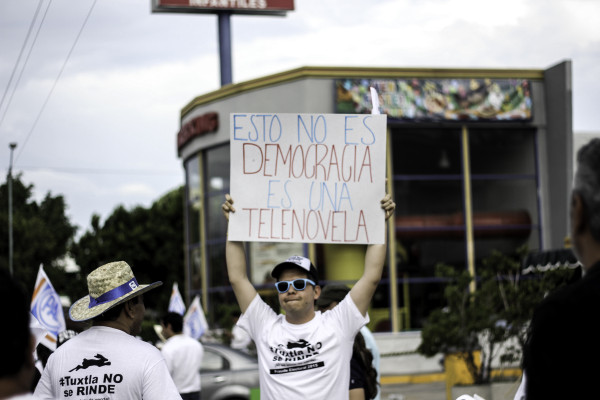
(183,355)
(306,361)
(28,396)
(103,363)
(241,340)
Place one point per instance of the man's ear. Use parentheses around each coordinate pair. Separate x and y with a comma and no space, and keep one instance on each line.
(317,292)
(578,213)
(129,308)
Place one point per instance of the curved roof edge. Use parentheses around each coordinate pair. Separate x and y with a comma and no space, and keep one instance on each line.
(359,72)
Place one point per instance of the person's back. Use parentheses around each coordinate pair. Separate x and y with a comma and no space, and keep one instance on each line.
(103,361)
(563,340)
(569,343)
(183,356)
(107,361)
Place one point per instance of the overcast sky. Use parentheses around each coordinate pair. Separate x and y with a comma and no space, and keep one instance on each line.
(101,128)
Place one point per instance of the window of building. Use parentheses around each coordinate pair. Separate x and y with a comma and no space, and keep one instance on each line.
(429,192)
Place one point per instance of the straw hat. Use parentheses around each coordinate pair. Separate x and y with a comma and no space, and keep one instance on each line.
(108,286)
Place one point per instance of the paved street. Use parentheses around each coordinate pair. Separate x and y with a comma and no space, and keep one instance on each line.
(437,391)
(414,391)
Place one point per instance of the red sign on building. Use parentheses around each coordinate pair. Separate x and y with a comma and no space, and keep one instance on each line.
(254,7)
(198,126)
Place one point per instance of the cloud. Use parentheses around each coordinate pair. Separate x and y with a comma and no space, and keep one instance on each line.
(138,190)
(117,104)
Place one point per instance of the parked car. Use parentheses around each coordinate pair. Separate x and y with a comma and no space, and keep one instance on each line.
(227,374)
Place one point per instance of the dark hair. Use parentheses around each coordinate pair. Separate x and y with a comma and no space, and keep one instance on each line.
(15,341)
(587,184)
(175,320)
(332,292)
(113,313)
(366,359)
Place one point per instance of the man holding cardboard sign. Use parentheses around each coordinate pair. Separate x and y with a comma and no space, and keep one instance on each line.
(306,353)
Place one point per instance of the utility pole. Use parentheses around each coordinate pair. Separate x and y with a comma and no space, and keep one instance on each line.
(225,47)
(10,222)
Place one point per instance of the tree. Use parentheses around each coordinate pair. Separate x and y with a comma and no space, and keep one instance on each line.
(496,313)
(517,295)
(149,240)
(455,328)
(42,234)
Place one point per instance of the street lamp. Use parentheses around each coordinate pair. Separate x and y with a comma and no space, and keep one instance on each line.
(10,223)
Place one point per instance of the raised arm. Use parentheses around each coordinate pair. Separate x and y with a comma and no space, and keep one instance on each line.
(362,292)
(235,256)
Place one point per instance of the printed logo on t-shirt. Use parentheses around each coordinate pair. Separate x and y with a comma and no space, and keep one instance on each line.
(295,356)
(300,344)
(95,383)
(99,361)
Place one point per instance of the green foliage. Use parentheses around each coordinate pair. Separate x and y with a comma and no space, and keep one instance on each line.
(455,328)
(42,234)
(149,240)
(517,295)
(148,334)
(498,311)
(225,319)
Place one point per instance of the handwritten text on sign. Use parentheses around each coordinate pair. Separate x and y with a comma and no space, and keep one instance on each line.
(307,177)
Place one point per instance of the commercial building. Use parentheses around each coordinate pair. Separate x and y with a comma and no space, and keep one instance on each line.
(477,160)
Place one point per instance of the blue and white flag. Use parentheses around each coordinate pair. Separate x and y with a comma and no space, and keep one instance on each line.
(194,322)
(176,303)
(47,309)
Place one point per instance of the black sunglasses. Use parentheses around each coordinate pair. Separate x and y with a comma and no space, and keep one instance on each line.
(298,284)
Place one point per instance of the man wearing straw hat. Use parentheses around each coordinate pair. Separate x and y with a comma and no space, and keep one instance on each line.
(107,361)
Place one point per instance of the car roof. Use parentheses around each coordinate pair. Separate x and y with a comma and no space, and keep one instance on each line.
(239,358)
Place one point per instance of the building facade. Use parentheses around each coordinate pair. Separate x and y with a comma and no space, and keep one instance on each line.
(477,160)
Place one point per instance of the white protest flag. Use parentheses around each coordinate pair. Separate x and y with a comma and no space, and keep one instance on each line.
(194,322)
(176,303)
(374,101)
(47,309)
(39,332)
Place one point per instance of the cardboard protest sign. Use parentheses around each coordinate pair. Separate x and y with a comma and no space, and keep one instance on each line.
(307,177)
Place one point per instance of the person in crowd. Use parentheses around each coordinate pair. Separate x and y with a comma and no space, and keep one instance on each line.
(303,354)
(364,372)
(183,355)
(107,360)
(17,364)
(563,340)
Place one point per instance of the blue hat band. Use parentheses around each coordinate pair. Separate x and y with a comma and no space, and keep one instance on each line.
(114,294)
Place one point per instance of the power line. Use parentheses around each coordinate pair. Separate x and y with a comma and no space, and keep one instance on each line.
(12,74)
(22,147)
(24,63)
(75,170)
